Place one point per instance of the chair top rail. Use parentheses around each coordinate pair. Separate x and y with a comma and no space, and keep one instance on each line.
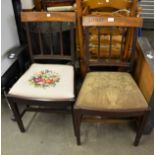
(48,16)
(112,21)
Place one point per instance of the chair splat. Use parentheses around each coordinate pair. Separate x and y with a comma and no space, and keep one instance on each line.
(47,37)
(105,44)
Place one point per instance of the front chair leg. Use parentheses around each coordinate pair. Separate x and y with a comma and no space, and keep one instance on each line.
(17,116)
(11,112)
(140,129)
(77,118)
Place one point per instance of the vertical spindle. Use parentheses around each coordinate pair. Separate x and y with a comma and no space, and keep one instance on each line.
(110,46)
(99,43)
(40,39)
(61,40)
(29,41)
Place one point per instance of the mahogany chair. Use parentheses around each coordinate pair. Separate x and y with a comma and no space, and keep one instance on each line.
(49,81)
(111,94)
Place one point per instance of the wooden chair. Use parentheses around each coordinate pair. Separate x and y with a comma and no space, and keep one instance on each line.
(110,95)
(49,81)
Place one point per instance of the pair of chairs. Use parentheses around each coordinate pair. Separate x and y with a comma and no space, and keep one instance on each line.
(103,94)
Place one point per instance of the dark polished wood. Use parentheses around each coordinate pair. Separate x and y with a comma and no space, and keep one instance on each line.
(16,113)
(52,57)
(140,129)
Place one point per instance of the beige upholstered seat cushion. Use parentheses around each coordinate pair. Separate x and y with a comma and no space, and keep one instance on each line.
(110,90)
(45,81)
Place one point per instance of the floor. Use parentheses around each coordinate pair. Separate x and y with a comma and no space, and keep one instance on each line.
(52,134)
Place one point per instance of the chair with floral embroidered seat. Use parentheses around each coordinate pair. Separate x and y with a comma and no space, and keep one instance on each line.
(110,95)
(49,81)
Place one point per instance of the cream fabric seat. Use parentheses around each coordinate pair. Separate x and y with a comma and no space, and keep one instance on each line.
(45,82)
(110,91)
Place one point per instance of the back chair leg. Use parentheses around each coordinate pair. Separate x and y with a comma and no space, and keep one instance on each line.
(17,116)
(77,118)
(74,122)
(140,129)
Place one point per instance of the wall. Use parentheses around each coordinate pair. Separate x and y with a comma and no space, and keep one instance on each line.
(9,35)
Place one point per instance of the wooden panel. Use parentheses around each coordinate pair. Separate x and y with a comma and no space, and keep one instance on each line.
(130,32)
(48,16)
(112,21)
(143,75)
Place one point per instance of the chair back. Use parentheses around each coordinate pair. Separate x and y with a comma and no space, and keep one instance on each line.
(50,35)
(107,47)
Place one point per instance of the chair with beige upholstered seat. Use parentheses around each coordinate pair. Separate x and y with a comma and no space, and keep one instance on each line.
(49,81)
(110,94)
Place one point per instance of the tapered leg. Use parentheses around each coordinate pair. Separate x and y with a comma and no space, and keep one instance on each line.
(74,125)
(17,116)
(11,112)
(140,129)
(77,118)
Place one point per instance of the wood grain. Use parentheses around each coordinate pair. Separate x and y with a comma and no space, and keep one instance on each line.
(118,21)
(94,4)
(48,16)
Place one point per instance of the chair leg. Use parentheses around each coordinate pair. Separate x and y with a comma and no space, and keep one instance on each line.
(77,118)
(74,125)
(140,129)
(17,116)
(11,112)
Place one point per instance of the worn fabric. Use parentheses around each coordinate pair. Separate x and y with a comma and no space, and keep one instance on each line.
(110,90)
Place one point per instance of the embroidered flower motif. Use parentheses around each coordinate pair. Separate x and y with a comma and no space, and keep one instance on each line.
(44,79)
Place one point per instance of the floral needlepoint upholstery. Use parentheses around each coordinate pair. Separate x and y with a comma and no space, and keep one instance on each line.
(45,78)
(45,82)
